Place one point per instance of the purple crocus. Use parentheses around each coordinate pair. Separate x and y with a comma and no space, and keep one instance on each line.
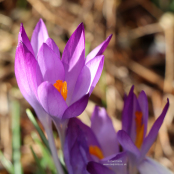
(87,150)
(56,87)
(61,86)
(133,137)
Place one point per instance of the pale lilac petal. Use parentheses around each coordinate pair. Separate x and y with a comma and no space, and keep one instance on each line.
(76,108)
(149,140)
(73,59)
(88,78)
(50,42)
(24,38)
(50,64)
(51,100)
(97,168)
(143,102)
(103,129)
(127,143)
(98,50)
(27,73)
(150,166)
(40,35)
(43,116)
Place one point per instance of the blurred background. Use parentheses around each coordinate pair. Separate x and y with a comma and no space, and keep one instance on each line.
(141,52)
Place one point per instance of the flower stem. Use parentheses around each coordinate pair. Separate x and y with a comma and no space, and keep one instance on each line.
(54,151)
(61,128)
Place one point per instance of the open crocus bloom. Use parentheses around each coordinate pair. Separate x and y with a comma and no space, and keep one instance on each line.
(133,136)
(59,87)
(87,150)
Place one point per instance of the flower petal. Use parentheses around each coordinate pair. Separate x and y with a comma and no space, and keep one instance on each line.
(149,140)
(43,116)
(88,78)
(27,73)
(150,166)
(73,59)
(24,38)
(29,77)
(97,168)
(76,108)
(143,102)
(51,100)
(50,42)
(127,143)
(103,129)
(40,35)
(76,151)
(50,64)
(127,115)
(99,49)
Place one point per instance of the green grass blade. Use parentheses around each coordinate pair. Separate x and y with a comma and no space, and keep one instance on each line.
(41,170)
(6,163)
(47,160)
(42,136)
(16,139)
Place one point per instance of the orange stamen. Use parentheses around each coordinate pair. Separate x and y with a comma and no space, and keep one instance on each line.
(62,88)
(139,129)
(96,151)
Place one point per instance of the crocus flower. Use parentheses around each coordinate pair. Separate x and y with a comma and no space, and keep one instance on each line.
(61,86)
(56,87)
(87,150)
(133,136)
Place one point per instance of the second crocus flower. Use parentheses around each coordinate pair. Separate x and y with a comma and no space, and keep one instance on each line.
(133,137)
(88,149)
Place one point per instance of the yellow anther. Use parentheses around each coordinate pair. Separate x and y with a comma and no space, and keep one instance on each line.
(139,128)
(96,151)
(62,88)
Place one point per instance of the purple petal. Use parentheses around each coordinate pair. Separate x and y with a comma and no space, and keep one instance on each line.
(27,73)
(88,77)
(50,42)
(143,102)
(99,49)
(40,35)
(24,38)
(51,100)
(76,151)
(127,143)
(73,59)
(88,134)
(50,64)
(127,115)
(97,168)
(76,108)
(103,129)
(150,166)
(149,140)
(29,77)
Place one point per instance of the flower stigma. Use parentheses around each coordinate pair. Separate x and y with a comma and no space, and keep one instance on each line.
(139,128)
(96,151)
(62,88)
